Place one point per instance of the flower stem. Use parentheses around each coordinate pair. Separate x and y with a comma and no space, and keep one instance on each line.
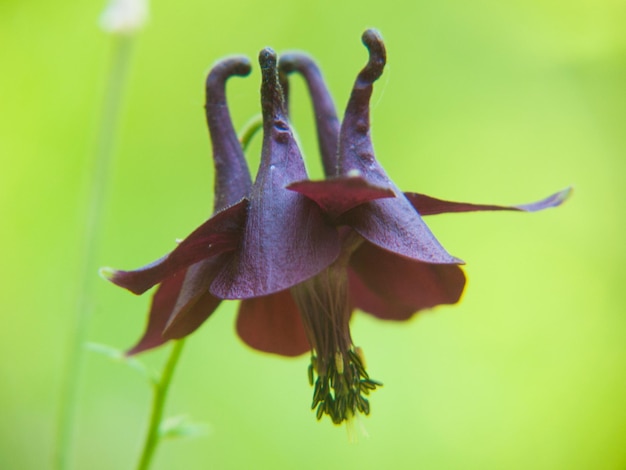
(249,131)
(158,403)
(86,275)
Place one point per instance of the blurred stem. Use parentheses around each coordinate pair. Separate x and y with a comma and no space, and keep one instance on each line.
(158,403)
(87,276)
(249,130)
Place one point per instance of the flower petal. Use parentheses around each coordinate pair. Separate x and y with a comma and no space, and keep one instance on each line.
(194,314)
(161,307)
(272,324)
(217,235)
(394,288)
(338,195)
(195,303)
(232,177)
(427,205)
(391,224)
(364,299)
(326,120)
(355,145)
(286,238)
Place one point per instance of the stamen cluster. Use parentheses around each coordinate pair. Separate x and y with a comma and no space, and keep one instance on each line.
(339,391)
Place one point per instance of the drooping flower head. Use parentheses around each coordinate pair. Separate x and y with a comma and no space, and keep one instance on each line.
(301,254)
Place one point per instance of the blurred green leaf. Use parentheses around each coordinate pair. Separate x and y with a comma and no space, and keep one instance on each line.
(179,426)
(119,356)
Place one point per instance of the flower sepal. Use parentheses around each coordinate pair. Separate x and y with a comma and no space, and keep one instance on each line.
(428,205)
(340,194)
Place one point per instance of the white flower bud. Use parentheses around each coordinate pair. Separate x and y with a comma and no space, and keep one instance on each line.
(124,16)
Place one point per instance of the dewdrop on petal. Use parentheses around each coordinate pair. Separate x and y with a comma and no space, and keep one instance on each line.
(124,17)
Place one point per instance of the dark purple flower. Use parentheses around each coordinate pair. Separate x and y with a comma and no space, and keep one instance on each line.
(303,254)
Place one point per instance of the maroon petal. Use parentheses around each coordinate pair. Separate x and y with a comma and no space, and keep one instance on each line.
(338,195)
(355,145)
(391,224)
(217,235)
(272,324)
(162,305)
(398,287)
(427,205)
(195,303)
(192,316)
(363,298)
(286,238)
(232,178)
(326,120)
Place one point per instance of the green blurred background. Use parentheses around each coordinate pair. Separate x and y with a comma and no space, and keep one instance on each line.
(483,101)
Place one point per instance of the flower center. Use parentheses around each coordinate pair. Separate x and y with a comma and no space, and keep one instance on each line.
(337,371)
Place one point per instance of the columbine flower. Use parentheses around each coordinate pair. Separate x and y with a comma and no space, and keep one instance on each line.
(302,254)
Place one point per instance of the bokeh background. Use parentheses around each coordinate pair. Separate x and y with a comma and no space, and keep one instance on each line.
(482,101)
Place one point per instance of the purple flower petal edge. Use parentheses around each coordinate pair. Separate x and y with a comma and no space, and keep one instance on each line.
(217,235)
(338,195)
(428,205)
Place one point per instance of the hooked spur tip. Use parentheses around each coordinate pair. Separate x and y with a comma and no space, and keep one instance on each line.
(288,63)
(239,66)
(291,62)
(378,56)
(225,68)
(371,36)
(267,58)
(236,65)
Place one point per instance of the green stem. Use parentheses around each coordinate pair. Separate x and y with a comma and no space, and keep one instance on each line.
(249,130)
(158,403)
(87,272)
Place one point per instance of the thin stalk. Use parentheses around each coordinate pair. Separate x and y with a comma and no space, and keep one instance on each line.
(249,130)
(158,403)
(87,271)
